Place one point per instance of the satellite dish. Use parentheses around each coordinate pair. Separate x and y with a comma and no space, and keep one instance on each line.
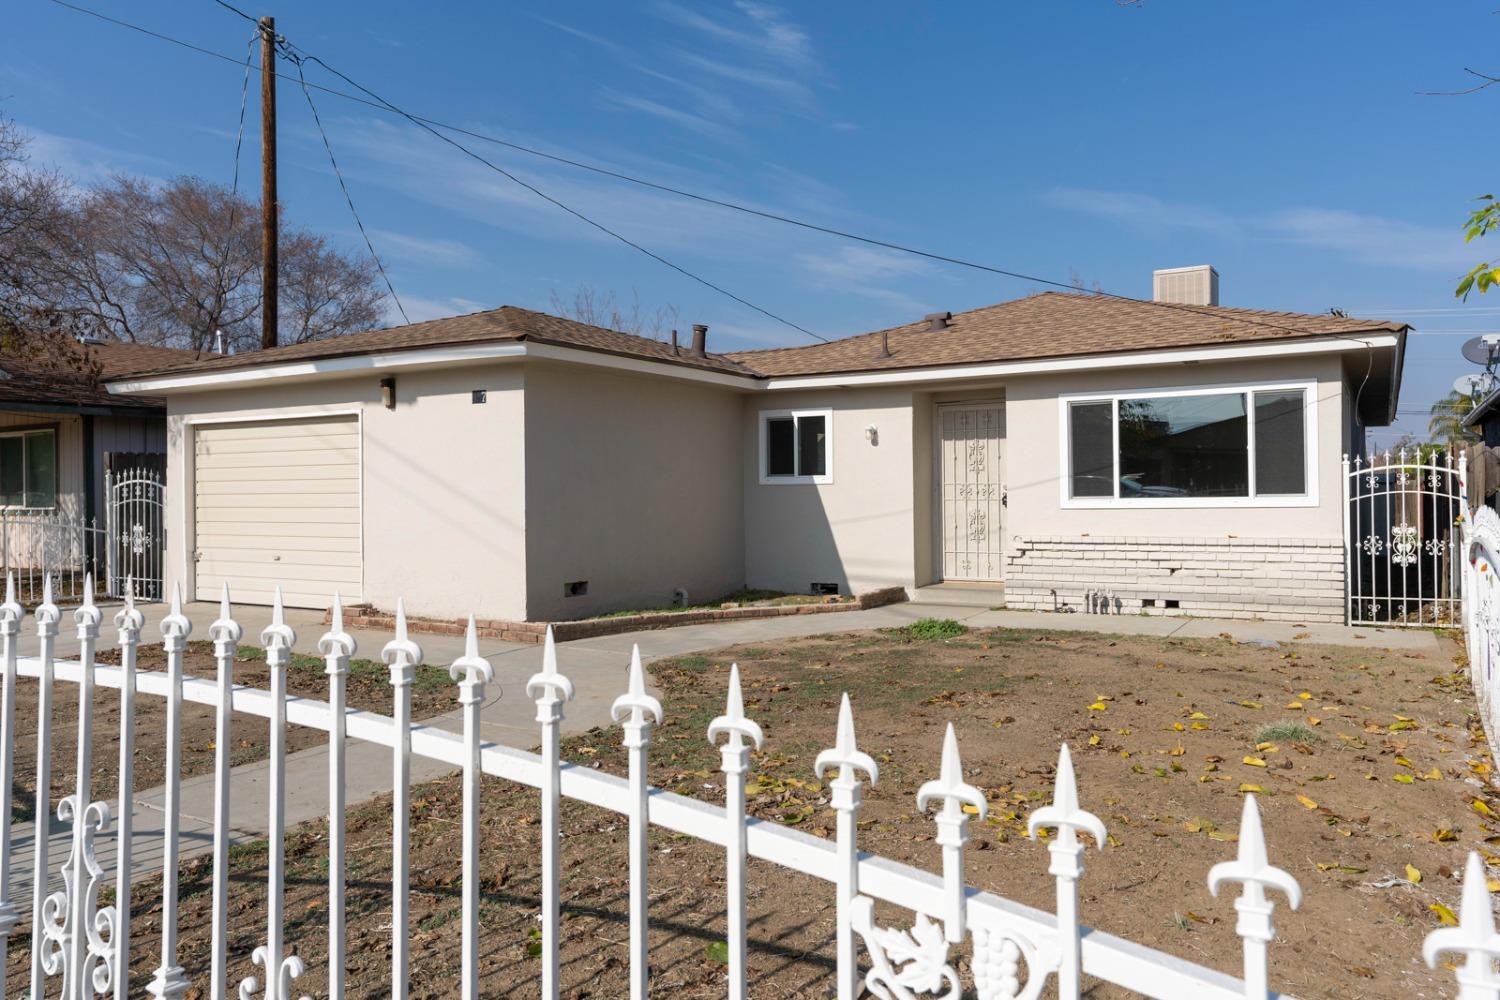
(1478,384)
(1483,350)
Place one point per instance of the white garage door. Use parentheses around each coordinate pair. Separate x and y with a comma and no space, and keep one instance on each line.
(277,502)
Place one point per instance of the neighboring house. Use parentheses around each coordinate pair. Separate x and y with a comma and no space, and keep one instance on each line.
(58,422)
(1076,449)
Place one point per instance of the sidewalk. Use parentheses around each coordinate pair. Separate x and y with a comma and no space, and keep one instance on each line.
(597,666)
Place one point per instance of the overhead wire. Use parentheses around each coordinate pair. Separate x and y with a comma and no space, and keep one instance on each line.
(432,125)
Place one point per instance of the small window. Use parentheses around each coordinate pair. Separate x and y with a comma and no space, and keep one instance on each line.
(28,469)
(796,447)
(1093,449)
(1280,441)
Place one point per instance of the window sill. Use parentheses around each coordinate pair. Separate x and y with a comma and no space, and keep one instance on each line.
(796,480)
(1181,503)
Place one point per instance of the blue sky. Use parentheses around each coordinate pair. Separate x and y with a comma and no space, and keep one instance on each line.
(1288,144)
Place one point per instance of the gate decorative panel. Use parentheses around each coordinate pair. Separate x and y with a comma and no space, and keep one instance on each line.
(1400,532)
(973,497)
(135,530)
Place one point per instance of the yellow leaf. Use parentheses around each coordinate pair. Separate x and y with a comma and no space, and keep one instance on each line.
(1403,761)
(1198,717)
(1094,740)
(1444,915)
(1193,826)
(1178,727)
(1222,836)
(1177,751)
(1098,706)
(1313,720)
(1433,775)
(1251,788)
(1492,885)
(1413,875)
(1444,836)
(1251,704)
(1199,726)
(971,810)
(1254,761)
(1124,732)
(1307,803)
(1478,806)
(1269,747)
(1405,779)
(1305,695)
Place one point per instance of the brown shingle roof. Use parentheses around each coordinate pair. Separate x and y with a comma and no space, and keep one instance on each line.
(508,323)
(1047,325)
(70,381)
(1050,325)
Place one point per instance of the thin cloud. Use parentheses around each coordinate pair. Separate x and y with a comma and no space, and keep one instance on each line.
(1367,238)
(420,249)
(789,89)
(676,116)
(764,31)
(868,273)
(420,310)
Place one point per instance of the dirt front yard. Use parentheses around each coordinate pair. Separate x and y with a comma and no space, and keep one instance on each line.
(1372,788)
(368,687)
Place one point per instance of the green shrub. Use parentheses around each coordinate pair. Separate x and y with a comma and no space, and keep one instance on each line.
(1286,732)
(930,629)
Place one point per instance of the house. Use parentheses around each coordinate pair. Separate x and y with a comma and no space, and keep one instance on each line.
(58,424)
(1062,450)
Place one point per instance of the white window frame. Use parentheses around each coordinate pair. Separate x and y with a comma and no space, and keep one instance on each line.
(56,466)
(1116,502)
(766,416)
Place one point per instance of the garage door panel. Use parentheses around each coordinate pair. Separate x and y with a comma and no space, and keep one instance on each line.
(219,473)
(277,503)
(271,458)
(278,487)
(277,572)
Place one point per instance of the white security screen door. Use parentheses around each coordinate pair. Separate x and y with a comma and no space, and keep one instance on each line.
(971,493)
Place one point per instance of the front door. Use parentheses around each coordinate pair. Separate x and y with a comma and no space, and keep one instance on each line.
(970,491)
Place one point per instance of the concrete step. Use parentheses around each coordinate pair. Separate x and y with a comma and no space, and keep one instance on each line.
(969,595)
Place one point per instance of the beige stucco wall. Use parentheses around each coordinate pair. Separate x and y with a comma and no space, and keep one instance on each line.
(857,531)
(632,484)
(442,489)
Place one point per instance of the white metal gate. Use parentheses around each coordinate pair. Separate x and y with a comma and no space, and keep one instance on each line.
(1401,564)
(972,496)
(135,532)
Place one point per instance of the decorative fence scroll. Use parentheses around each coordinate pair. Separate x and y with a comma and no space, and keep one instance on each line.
(82,949)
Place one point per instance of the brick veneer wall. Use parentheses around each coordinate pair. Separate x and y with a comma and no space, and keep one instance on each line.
(1277,579)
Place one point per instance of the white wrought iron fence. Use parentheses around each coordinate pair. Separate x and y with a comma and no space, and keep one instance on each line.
(36,544)
(1401,537)
(80,948)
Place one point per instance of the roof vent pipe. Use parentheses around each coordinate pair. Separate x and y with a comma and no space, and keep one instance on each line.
(674,341)
(885,345)
(938,321)
(700,340)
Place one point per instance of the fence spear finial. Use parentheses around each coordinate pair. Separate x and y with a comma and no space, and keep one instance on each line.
(846,755)
(635,707)
(336,642)
(11,610)
(471,668)
(401,652)
(225,628)
(1252,870)
(88,615)
(1474,937)
(733,723)
(953,829)
(129,618)
(175,627)
(549,686)
(278,634)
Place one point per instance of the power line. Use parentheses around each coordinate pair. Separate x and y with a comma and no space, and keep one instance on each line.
(559,204)
(345,188)
(432,124)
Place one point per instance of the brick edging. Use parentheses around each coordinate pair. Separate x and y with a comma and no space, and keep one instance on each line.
(563,631)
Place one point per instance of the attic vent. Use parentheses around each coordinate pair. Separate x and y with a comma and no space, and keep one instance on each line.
(938,321)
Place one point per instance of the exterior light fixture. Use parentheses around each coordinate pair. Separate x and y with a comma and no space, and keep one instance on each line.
(388,392)
(872,434)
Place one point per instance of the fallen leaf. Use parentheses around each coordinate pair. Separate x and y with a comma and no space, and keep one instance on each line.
(1405,779)
(1307,803)
(1251,788)
(1254,761)
(1098,706)
(1413,875)
(1445,915)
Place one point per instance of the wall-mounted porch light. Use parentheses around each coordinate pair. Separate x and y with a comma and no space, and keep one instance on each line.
(388,392)
(872,434)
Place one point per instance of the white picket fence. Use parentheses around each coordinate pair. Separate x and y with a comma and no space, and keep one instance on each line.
(80,948)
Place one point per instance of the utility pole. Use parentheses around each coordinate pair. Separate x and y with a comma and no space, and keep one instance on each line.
(269,261)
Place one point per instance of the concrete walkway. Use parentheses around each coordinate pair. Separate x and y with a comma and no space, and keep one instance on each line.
(597,666)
